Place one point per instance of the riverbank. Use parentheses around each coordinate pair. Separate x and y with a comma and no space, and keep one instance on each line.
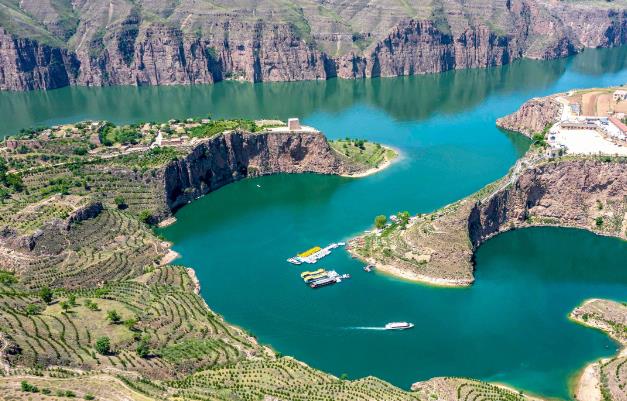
(599,379)
(391,155)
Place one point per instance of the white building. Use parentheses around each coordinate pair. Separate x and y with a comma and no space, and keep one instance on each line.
(293,124)
(620,95)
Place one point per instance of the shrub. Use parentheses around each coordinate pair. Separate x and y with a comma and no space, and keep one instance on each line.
(120,202)
(7,278)
(598,222)
(380,221)
(45,294)
(113,316)
(103,345)
(31,309)
(27,387)
(89,396)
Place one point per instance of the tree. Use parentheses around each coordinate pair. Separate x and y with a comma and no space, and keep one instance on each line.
(130,324)
(143,349)
(15,181)
(120,202)
(403,218)
(103,345)
(598,222)
(46,294)
(71,300)
(65,306)
(145,216)
(80,151)
(380,221)
(31,309)
(113,316)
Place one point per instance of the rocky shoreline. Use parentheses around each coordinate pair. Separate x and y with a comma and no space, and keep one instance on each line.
(599,380)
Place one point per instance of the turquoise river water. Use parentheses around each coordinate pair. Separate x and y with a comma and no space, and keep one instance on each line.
(511,326)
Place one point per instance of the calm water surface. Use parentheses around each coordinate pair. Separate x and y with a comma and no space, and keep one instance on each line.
(511,326)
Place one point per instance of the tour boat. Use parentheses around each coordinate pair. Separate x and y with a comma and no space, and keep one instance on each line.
(399,326)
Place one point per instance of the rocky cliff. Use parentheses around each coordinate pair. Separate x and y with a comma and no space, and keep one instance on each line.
(533,116)
(48,44)
(230,157)
(583,193)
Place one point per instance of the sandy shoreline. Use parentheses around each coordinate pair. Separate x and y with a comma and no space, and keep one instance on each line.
(588,383)
(387,163)
(167,222)
(169,257)
(413,276)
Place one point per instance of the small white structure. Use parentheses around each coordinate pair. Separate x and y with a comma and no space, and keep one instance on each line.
(293,124)
(620,95)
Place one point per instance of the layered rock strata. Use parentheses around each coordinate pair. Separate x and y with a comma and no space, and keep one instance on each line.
(186,43)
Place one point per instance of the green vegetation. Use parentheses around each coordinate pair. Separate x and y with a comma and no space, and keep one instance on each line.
(363,152)
(103,345)
(101,300)
(380,221)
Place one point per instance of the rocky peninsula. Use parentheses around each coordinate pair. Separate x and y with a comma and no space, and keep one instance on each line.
(582,191)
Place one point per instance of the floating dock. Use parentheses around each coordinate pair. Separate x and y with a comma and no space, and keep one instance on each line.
(313,255)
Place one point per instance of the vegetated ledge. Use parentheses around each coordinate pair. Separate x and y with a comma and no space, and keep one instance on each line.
(602,380)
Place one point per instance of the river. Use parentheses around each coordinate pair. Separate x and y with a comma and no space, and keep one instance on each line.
(511,326)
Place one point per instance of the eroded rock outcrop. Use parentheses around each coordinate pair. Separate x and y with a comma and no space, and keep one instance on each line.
(533,116)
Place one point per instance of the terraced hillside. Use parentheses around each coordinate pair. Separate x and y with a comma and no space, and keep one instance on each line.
(90,307)
(53,43)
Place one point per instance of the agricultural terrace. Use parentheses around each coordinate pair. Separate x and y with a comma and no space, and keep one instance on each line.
(87,307)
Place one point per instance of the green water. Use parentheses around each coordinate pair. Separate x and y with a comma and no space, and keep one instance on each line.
(511,326)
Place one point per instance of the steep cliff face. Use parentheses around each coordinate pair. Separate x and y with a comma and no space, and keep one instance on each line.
(26,64)
(588,194)
(123,43)
(416,47)
(236,155)
(533,116)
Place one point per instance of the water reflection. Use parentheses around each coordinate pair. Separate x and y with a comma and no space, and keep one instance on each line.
(404,98)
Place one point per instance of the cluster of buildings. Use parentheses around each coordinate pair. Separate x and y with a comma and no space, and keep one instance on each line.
(589,134)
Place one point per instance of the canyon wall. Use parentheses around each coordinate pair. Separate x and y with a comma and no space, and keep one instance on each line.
(584,193)
(236,155)
(126,45)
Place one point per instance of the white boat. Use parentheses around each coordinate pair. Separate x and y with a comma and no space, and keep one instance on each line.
(341,243)
(399,326)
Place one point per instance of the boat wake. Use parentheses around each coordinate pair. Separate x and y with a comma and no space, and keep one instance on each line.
(366,328)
